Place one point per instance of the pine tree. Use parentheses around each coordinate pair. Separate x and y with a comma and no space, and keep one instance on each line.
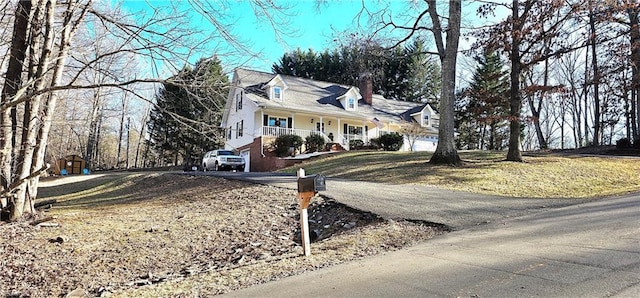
(402,73)
(423,74)
(185,121)
(488,101)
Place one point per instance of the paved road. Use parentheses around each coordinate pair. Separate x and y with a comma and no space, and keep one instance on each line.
(456,209)
(585,250)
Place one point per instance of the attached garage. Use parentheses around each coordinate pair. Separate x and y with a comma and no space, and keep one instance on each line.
(426,143)
(246,154)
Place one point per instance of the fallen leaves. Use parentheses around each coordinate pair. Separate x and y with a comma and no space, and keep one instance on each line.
(178,235)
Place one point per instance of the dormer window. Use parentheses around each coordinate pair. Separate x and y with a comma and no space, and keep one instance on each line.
(277,93)
(351,103)
(425,120)
(275,88)
(349,100)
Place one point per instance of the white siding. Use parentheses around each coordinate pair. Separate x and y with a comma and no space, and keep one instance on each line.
(246,115)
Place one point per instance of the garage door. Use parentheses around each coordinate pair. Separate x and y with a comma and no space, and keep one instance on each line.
(246,154)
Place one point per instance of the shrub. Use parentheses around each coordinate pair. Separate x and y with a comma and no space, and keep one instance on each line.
(391,141)
(375,144)
(356,145)
(284,143)
(623,143)
(314,142)
(327,146)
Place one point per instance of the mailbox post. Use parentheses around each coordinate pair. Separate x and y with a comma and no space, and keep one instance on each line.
(308,187)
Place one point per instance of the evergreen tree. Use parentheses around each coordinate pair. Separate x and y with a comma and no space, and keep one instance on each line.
(486,105)
(400,73)
(186,119)
(423,75)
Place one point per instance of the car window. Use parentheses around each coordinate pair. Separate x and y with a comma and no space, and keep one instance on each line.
(225,152)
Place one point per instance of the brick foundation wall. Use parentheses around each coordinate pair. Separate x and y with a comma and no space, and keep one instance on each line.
(270,162)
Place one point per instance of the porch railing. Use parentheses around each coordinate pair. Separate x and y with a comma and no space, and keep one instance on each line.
(347,138)
(342,139)
(275,131)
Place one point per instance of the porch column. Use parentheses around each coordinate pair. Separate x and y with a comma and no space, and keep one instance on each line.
(261,132)
(321,125)
(365,133)
(293,121)
(339,135)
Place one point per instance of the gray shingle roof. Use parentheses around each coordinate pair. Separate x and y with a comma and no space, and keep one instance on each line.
(318,97)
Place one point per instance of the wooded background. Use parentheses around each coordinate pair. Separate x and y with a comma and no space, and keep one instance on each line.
(129,91)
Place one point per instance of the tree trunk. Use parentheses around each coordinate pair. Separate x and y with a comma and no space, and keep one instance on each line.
(47,113)
(492,135)
(634,115)
(93,130)
(446,151)
(535,117)
(97,154)
(634,34)
(128,139)
(483,133)
(141,137)
(31,123)
(12,83)
(596,78)
(121,130)
(515,103)
(542,141)
(563,112)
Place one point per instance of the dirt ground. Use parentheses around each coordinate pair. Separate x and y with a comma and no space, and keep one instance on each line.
(168,235)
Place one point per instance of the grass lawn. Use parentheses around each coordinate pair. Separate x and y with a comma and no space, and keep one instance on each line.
(540,176)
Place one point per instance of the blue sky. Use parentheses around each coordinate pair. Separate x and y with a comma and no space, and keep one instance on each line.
(309,27)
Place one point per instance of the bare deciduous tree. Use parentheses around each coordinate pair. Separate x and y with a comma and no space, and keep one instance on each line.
(48,59)
(413,131)
(446,33)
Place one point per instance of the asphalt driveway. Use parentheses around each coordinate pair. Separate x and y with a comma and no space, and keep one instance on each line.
(586,250)
(505,247)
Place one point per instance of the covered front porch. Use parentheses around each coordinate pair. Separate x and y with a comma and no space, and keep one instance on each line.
(333,129)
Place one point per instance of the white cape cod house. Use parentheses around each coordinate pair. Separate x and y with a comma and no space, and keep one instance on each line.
(262,106)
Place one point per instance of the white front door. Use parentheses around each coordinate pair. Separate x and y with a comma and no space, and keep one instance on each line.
(246,154)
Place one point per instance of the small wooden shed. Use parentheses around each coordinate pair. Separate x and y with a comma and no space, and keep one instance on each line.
(73,164)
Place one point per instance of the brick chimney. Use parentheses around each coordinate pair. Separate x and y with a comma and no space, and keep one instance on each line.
(366,88)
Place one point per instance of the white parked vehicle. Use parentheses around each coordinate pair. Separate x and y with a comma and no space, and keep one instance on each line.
(218,160)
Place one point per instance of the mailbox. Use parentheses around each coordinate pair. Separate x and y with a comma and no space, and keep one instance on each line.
(313,183)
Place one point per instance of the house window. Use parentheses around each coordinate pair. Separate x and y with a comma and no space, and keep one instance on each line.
(351,103)
(277,122)
(355,130)
(277,93)
(241,128)
(425,120)
(229,132)
(238,101)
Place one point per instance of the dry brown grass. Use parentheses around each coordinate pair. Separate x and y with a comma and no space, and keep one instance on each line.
(167,235)
(540,176)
